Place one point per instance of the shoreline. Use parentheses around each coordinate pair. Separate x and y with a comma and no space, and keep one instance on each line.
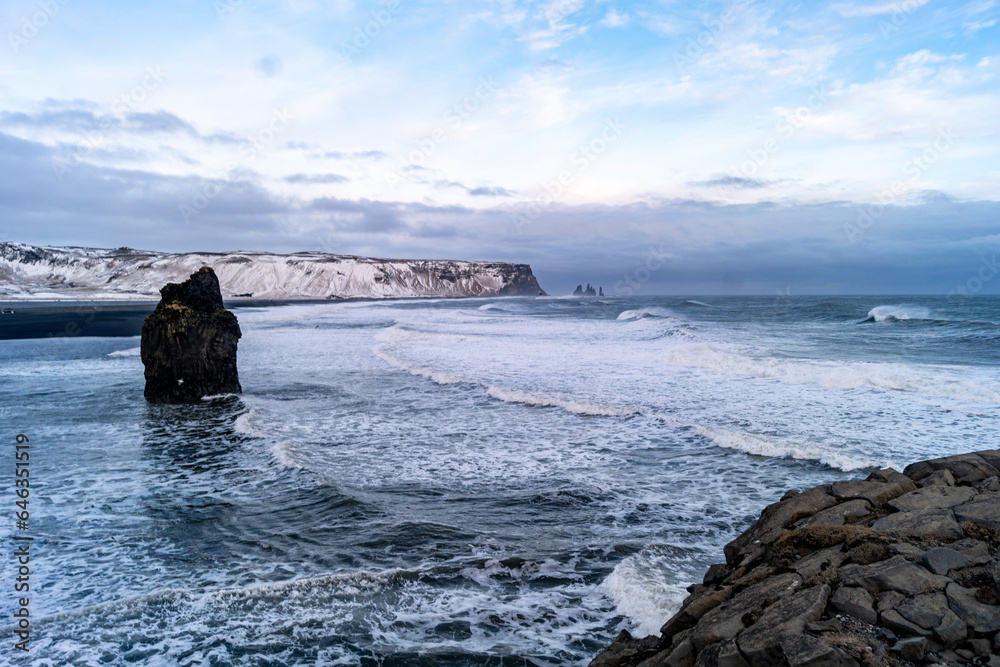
(33,319)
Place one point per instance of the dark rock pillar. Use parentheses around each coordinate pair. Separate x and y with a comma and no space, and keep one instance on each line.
(189,343)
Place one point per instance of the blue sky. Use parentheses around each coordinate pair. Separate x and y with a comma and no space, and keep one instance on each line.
(745,147)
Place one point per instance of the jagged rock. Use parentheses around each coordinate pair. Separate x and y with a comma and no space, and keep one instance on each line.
(907,551)
(981,617)
(806,651)
(941,560)
(983,511)
(876,492)
(927,610)
(912,649)
(895,574)
(761,643)
(854,601)
(851,511)
(776,517)
(824,560)
(627,650)
(189,343)
(967,468)
(938,478)
(937,523)
(727,620)
(933,497)
(844,572)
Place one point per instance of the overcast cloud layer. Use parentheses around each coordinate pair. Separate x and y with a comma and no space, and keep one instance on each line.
(747,147)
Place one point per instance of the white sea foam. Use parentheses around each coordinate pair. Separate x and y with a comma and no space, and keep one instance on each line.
(939,381)
(772,447)
(898,313)
(652,311)
(645,588)
(131,352)
(249,424)
(568,404)
(283,454)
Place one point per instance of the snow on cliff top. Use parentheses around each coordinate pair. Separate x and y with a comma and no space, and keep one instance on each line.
(43,272)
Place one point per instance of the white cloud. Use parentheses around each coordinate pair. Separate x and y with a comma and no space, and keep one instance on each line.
(614,19)
(901,6)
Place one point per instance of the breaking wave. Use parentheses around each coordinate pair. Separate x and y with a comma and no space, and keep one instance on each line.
(898,314)
(937,381)
(643,313)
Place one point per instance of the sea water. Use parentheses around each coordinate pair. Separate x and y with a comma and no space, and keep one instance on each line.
(459,482)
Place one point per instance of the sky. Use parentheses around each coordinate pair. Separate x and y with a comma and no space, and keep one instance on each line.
(649,147)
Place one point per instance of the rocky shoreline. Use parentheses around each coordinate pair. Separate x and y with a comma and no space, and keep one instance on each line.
(898,569)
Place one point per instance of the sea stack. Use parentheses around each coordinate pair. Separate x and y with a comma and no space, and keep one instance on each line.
(189,343)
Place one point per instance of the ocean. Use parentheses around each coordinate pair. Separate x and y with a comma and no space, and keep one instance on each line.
(503,481)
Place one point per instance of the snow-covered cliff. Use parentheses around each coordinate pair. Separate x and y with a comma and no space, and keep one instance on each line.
(41,272)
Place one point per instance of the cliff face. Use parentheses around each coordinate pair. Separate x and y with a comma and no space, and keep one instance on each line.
(899,569)
(32,272)
(189,343)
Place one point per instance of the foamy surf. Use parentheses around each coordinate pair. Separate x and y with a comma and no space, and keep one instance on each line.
(123,354)
(570,405)
(647,588)
(248,424)
(641,313)
(898,314)
(939,381)
(771,447)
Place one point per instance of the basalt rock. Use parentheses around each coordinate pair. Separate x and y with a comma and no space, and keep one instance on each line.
(895,570)
(189,343)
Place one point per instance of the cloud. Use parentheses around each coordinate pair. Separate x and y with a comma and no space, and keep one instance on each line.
(316,178)
(733,182)
(851,10)
(614,19)
(480,191)
(84,121)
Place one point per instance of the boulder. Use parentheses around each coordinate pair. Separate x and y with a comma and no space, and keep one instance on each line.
(933,497)
(983,511)
(938,524)
(981,617)
(895,574)
(189,343)
(941,560)
(855,601)
(785,619)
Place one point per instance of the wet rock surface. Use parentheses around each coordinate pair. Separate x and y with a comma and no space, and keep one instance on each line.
(189,343)
(898,569)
